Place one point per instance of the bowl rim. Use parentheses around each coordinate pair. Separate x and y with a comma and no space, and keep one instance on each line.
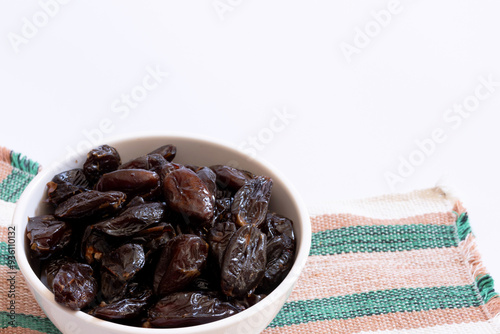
(285,286)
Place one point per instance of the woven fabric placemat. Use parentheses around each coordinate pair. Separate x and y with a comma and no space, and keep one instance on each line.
(392,264)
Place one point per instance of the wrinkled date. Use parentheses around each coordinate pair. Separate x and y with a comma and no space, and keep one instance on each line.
(156,243)
(74,286)
(133,182)
(251,201)
(187,309)
(47,235)
(187,194)
(90,204)
(101,160)
(244,262)
(181,261)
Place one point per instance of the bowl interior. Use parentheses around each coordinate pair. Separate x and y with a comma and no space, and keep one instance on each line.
(190,150)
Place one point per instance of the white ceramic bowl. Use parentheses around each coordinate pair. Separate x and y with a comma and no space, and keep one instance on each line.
(191,149)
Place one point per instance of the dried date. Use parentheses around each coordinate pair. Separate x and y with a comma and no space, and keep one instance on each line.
(90,204)
(66,184)
(251,201)
(132,220)
(118,268)
(124,309)
(152,162)
(101,160)
(244,262)
(48,236)
(74,286)
(94,245)
(181,261)
(231,178)
(167,151)
(218,239)
(188,309)
(187,194)
(125,261)
(280,254)
(51,268)
(133,182)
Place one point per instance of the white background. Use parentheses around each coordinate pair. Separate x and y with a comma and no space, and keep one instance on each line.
(229,71)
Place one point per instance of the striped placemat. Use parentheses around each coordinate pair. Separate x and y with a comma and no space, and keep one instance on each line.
(391,264)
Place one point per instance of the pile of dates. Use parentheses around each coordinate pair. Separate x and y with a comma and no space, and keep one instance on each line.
(155,243)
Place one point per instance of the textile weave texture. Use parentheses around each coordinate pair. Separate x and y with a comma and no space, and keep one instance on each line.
(392,264)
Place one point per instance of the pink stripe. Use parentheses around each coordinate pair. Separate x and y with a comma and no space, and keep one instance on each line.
(333,221)
(343,274)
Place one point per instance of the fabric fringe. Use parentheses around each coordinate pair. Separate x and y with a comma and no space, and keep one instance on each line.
(482,280)
(19,161)
(23,163)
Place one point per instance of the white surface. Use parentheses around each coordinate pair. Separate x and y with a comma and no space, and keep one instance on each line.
(352,120)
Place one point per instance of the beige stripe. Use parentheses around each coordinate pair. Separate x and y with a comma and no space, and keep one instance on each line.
(344,274)
(333,221)
(393,206)
(391,321)
(6,213)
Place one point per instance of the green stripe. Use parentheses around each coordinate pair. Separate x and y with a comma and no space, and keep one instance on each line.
(376,302)
(13,185)
(485,285)
(463,226)
(384,238)
(23,163)
(5,256)
(40,324)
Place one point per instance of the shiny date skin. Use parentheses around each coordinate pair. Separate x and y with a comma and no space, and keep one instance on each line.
(94,245)
(209,178)
(118,268)
(153,238)
(124,309)
(187,194)
(133,182)
(280,254)
(244,262)
(280,250)
(51,268)
(275,225)
(132,220)
(188,309)
(66,184)
(167,151)
(90,204)
(251,201)
(125,261)
(231,178)
(48,236)
(101,160)
(74,286)
(181,261)
(152,162)
(223,209)
(218,239)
